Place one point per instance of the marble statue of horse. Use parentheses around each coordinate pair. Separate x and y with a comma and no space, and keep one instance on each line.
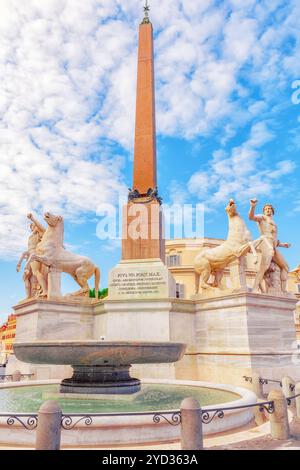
(213,261)
(51,252)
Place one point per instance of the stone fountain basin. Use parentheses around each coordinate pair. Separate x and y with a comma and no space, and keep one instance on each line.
(99,353)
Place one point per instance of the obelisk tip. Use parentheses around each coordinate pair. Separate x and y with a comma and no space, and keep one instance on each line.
(146,19)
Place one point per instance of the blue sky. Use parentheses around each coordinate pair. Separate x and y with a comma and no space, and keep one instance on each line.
(226,122)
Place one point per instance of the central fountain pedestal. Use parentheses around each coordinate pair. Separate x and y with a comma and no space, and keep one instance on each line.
(107,379)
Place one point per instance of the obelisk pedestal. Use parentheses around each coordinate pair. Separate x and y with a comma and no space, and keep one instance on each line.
(142,236)
(141,279)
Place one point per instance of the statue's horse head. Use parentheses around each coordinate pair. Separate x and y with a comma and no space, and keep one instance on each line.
(231,209)
(55,231)
(52,219)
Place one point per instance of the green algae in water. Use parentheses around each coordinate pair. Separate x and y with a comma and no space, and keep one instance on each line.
(151,398)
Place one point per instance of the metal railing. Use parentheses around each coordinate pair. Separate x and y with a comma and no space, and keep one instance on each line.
(71,420)
(5,378)
(9,378)
(290,399)
(267,406)
(20,418)
(263,381)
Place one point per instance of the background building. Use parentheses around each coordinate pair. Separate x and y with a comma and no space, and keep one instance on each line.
(7,338)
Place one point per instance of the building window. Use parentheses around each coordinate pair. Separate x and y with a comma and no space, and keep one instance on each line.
(179,291)
(173,260)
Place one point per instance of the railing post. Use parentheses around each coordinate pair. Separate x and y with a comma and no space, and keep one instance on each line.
(257,386)
(279,418)
(16,376)
(287,385)
(191,425)
(49,426)
(295,424)
(297,392)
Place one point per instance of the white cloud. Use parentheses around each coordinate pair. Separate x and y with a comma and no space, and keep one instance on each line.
(177,194)
(242,173)
(57,63)
(68,73)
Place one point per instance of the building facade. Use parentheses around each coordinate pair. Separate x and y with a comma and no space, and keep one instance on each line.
(7,338)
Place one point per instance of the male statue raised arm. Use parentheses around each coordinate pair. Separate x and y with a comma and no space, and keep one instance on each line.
(269,248)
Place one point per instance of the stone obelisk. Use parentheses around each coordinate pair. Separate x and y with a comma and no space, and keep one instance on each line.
(142,236)
(141,272)
(144,176)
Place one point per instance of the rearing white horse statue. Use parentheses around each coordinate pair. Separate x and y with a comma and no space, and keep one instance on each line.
(51,252)
(213,261)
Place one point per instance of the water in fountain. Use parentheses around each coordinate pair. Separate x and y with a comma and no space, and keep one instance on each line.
(152,397)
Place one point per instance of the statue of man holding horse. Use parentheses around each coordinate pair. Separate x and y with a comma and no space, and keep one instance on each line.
(49,253)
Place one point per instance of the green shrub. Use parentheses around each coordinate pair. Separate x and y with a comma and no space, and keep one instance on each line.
(102,293)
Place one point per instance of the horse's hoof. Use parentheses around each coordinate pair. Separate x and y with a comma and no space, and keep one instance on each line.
(79,293)
(257,291)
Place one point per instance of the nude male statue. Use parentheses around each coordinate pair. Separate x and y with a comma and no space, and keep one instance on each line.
(269,247)
(35,270)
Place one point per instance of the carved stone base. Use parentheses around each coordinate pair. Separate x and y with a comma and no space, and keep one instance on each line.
(141,279)
(109,379)
(215,292)
(246,333)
